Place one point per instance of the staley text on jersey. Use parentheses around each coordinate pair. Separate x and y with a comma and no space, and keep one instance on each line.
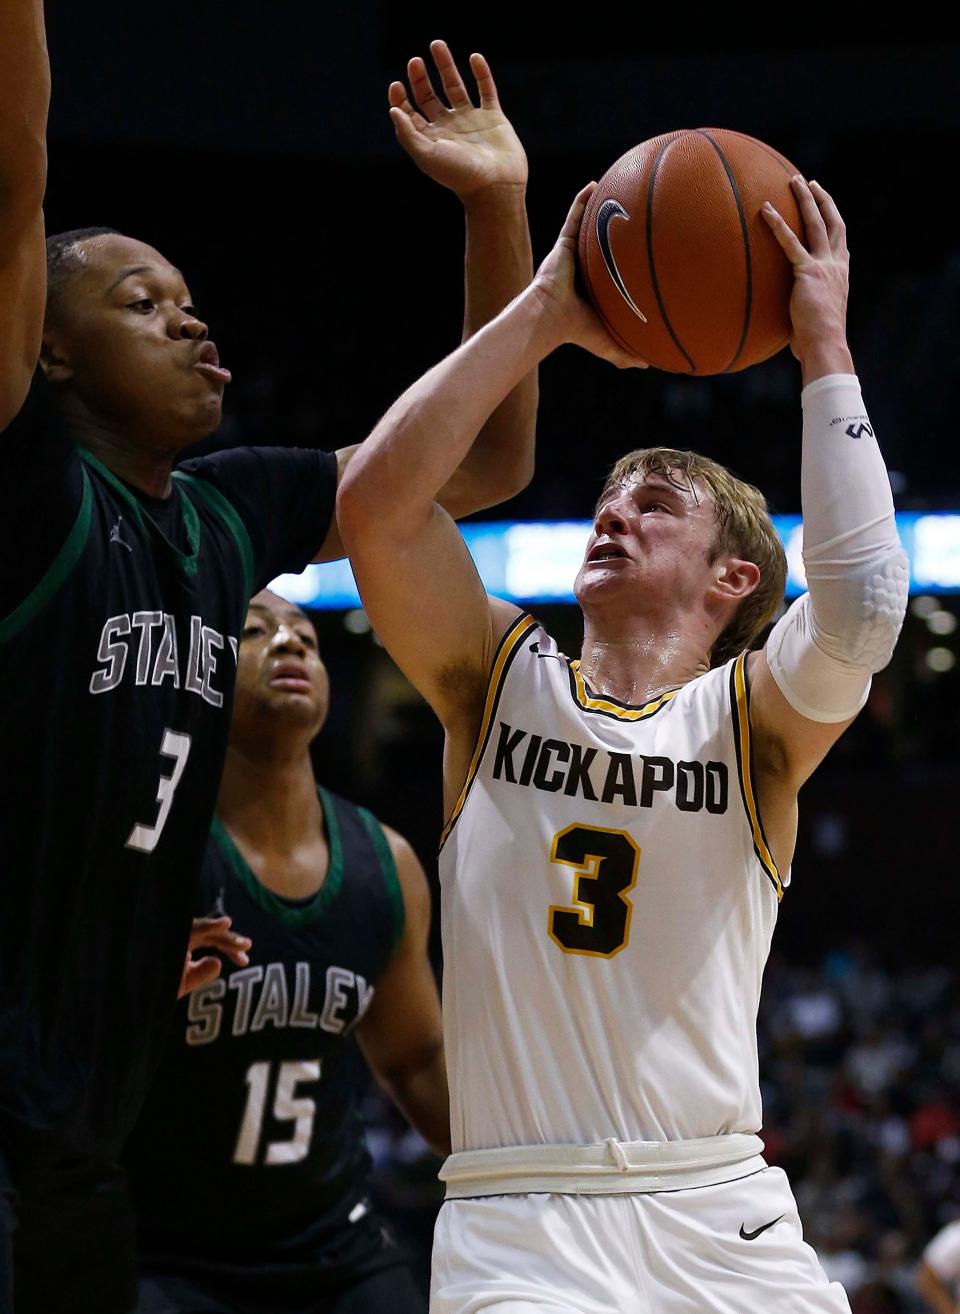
(157,654)
(279,1002)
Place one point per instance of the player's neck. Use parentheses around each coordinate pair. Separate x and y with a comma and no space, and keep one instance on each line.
(269,799)
(638,666)
(140,465)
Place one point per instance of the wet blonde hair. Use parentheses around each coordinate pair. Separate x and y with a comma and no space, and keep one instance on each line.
(744,529)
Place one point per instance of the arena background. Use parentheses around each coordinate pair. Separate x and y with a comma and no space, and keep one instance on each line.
(250,143)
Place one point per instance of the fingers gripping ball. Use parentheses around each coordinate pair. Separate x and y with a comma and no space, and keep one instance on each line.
(678,260)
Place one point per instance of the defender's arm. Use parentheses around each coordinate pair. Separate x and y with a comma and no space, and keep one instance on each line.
(24,98)
(474,152)
(401,1035)
(934,1290)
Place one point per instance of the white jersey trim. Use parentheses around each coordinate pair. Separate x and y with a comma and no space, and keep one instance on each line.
(612,707)
(507,649)
(742,737)
(610,1167)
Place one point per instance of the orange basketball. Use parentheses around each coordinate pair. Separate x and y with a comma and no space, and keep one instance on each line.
(679,261)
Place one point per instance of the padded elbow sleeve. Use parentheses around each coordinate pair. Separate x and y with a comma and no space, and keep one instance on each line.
(818,683)
(823,652)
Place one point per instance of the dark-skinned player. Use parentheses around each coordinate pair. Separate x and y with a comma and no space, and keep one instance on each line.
(123,589)
(259,1082)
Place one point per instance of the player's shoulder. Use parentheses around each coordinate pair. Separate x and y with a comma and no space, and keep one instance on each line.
(541,643)
(38,408)
(526,660)
(247,464)
(226,468)
(37,428)
(712,698)
(332,799)
(354,825)
(522,634)
(378,857)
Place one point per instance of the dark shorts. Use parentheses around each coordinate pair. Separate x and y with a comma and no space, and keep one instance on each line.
(367,1273)
(391,1291)
(66,1238)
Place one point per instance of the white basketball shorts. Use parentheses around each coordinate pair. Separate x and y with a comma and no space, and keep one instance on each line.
(734,1248)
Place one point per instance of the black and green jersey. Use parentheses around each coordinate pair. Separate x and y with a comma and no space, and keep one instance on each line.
(121,617)
(249,1156)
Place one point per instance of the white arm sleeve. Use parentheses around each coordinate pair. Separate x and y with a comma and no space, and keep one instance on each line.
(824,650)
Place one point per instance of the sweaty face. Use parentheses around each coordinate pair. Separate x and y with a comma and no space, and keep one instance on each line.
(279,673)
(125,336)
(649,539)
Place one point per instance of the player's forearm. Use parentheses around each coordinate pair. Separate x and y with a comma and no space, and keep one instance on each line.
(498,265)
(823,652)
(24,100)
(393,480)
(420,1093)
(851,551)
(828,354)
(498,259)
(934,1291)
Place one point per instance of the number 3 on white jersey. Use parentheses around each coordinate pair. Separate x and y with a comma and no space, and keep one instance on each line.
(605,864)
(177,746)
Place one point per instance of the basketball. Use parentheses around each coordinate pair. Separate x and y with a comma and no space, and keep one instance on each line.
(678,259)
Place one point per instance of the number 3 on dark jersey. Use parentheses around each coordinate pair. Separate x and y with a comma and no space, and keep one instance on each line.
(606,864)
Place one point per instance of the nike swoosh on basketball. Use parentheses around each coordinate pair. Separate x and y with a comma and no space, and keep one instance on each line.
(608,211)
(752,1236)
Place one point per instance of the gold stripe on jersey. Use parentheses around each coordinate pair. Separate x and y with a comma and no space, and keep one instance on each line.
(506,650)
(610,706)
(740,700)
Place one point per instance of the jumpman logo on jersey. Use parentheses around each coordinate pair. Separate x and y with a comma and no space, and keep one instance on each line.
(115,535)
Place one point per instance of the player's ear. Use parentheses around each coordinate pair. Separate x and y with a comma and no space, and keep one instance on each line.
(735,579)
(54,359)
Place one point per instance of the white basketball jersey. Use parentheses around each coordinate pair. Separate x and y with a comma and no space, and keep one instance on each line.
(608,900)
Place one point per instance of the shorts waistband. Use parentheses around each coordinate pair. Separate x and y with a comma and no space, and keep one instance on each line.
(607,1167)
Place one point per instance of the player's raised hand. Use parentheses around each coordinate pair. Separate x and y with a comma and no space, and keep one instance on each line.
(463,146)
(211,933)
(821,272)
(554,285)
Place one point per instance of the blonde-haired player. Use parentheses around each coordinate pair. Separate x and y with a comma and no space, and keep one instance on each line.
(621,827)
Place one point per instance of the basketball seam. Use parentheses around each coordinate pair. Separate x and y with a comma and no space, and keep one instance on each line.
(745,232)
(653,269)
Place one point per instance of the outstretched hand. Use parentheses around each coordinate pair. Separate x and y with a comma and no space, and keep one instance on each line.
(459,145)
(821,271)
(211,933)
(555,285)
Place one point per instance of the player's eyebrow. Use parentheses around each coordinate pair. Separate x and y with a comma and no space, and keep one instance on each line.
(666,489)
(139,269)
(637,489)
(291,612)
